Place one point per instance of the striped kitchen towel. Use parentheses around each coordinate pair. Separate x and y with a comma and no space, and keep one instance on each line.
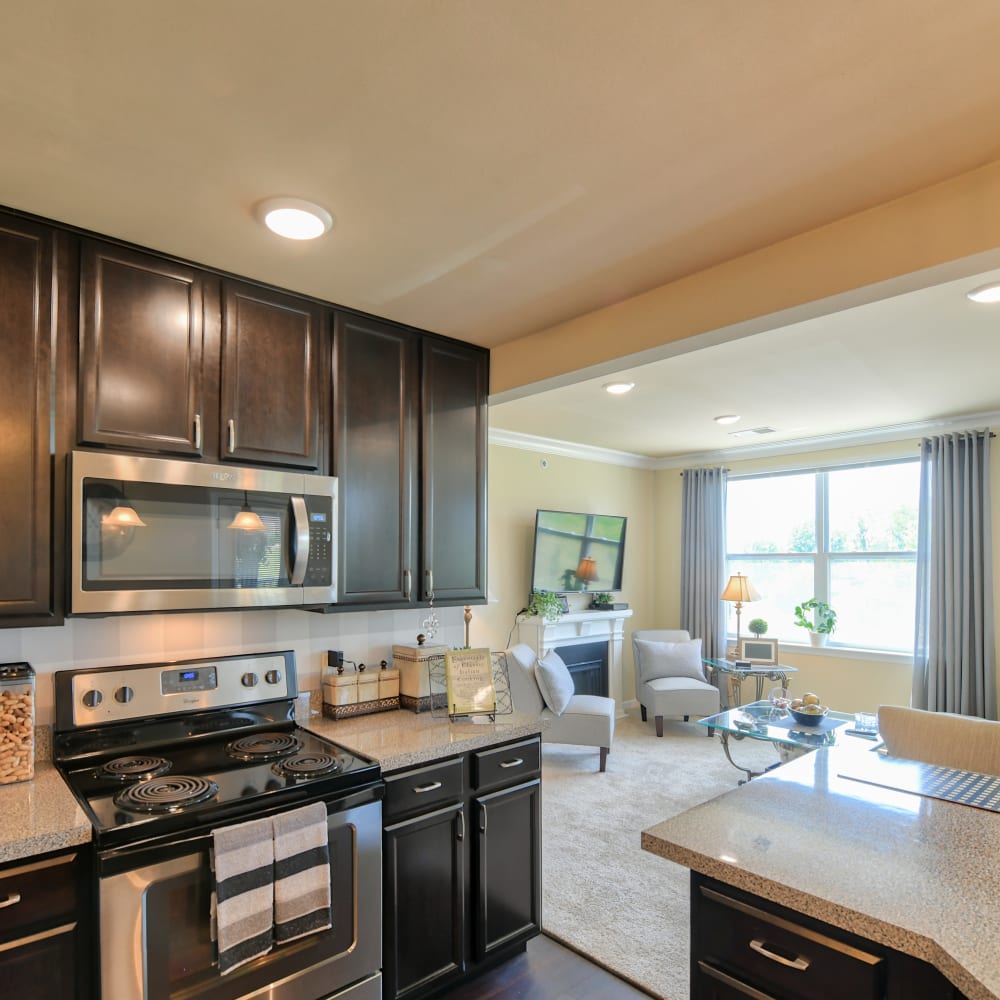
(243,900)
(302,893)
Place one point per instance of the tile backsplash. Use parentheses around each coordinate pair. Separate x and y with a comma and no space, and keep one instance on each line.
(366,637)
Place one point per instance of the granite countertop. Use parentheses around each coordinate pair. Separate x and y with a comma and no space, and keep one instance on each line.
(40,815)
(400,738)
(914,873)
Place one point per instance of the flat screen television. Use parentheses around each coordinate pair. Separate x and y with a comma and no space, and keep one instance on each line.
(577,552)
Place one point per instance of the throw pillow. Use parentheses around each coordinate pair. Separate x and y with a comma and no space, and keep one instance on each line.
(554,681)
(670,659)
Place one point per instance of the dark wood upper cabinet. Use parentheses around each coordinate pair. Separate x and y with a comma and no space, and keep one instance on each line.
(142,379)
(376,370)
(271,394)
(410,457)
(454,387)
(28,320)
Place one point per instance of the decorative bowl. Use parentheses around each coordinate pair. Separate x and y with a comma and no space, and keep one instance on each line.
(809,718)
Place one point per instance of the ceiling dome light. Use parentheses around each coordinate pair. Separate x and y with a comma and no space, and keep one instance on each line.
(727,418)
(618,388)
(294,218)
(985,293)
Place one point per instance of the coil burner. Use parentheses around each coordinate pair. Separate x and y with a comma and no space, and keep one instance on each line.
(135,768)
(306,765)
(166,795)
(263,746)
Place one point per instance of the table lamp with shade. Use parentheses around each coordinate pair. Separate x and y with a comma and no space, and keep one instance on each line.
(739,590)
(586,572)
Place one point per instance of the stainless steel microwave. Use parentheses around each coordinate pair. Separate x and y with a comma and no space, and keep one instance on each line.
(152,534)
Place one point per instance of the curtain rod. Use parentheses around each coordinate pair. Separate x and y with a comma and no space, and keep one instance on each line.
(984,432)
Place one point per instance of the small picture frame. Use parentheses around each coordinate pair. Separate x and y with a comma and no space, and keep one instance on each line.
(564,604)
(758,651)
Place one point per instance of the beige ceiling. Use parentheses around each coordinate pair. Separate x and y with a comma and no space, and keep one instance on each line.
(496,167)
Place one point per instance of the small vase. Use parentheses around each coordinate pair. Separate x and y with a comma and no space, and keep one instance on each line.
(818,638)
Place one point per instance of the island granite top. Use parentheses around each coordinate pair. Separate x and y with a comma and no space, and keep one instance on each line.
(914,873)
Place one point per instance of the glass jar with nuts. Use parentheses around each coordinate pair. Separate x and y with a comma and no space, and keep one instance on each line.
(17,722)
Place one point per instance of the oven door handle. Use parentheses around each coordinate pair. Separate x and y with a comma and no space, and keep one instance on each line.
(299,542)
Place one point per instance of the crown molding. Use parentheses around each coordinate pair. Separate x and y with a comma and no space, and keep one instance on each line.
(844,439)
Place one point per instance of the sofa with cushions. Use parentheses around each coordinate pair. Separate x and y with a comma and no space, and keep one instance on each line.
(545,688)
(670,680)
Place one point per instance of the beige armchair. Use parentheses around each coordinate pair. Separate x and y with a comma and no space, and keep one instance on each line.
(585,719)
(669,677)
(943,738)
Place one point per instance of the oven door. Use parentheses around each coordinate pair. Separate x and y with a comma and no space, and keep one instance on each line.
(156,928)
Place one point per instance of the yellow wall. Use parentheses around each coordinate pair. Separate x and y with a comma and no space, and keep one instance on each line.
(518,486)
(652,502)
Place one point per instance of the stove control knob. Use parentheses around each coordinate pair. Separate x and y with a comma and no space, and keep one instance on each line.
(273,677)
(249,680)
(92,698)
(124,695)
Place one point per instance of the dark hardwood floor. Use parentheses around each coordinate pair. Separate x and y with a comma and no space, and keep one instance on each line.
(546,971)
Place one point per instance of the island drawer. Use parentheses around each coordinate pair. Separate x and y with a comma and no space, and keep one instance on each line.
(45,889)
(506,765)
(421,789)
(775,954)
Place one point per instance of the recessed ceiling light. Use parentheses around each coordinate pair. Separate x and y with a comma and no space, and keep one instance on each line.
(618,388)
(985,293)
(294,218)
(727,418)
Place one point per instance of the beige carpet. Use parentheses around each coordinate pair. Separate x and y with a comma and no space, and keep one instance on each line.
(601,893)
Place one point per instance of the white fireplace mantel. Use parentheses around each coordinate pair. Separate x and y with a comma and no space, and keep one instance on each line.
(579,627)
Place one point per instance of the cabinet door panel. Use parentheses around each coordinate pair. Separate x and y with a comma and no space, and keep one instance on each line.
(270,390)
(375,460)
(26,329)
(508,863)
(43,965)
(424,902)
(141,351)
(454,388)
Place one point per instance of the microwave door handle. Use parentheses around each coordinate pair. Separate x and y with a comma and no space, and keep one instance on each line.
(299,542)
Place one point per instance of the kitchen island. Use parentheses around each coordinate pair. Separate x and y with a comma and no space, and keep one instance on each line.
(915,874)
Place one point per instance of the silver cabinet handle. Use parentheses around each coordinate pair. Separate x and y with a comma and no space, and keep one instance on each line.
(12,898)
(482,819)
(799,963)
(430,584)
(197,431)
(516,762)
(429,787)
(231,433)
(461,832)
(407,584)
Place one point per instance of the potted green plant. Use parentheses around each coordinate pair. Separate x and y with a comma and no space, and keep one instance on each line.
(818,617)
(545,604)
(757,626)
(599,600)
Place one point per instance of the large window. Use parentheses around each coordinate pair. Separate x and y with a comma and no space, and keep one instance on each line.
(847,536)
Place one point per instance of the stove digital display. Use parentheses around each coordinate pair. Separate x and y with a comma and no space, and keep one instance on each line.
(188,679)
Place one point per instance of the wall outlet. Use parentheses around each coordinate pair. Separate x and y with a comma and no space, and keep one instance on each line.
(334,657)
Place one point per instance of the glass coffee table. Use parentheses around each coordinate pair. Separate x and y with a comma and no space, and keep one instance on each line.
(760,672)
(760,720)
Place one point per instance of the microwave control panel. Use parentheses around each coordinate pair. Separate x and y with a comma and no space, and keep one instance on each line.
(319,571)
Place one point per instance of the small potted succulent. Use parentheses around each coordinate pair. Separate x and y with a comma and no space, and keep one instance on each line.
(757,626)
(818,617)
(545,604)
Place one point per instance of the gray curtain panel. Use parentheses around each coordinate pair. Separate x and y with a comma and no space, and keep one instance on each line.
(953,658)
(703,558)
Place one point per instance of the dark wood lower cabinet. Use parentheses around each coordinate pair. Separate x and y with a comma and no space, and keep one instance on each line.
(746,946)
(462,867)
(44,943)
